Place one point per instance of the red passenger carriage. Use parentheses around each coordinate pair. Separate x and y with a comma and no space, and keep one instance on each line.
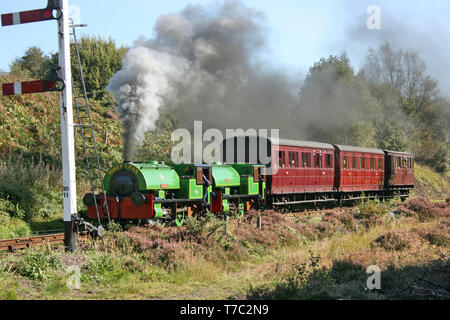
(313,172)
(399,170)
(303,166)
(359,169)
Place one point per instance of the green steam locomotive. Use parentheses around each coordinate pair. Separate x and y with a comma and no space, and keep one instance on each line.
(150,191)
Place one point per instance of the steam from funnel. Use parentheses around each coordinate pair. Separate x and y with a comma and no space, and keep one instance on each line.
(146,79)
(203,64)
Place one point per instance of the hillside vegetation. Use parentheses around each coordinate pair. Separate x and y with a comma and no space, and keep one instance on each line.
(30,170)
(314,255)
(431,184)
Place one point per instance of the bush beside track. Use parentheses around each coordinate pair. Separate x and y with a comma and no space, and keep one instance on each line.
(313,254)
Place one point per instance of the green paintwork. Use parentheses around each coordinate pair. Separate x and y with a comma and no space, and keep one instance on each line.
(179,220)
(244,169)
(208,198)
(248,186)
(150,176)
(157,206)
(225,204)
(158,210)
(190,190)
(263,194)
(225,176)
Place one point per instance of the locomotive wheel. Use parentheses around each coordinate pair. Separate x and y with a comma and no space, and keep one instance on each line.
(180,219)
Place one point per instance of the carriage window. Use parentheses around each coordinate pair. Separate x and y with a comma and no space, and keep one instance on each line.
(306,160)
(354,165)
(329,160)
(399,162)
(363,163)
(345,162)
(380,164)
(281,159)
(293,159)
(318,160)
(410,163)
(372,163)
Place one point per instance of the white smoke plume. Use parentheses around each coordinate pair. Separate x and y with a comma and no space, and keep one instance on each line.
(204,64)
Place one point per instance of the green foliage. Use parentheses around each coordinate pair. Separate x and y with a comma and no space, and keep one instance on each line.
(9,286)
(104,268)
(29,189)
(100,59)
(34,64)
(368,209)
(390,104)
(36,265)
(12,227)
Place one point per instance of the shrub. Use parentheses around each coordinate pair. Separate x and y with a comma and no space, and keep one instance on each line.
(369,209)
(9,286)
(104,268)
(29,189)
(394,240)
(439,240)
(424,209)
(35,265)
(13,228)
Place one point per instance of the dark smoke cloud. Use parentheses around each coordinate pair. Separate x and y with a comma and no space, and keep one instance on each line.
(204,65)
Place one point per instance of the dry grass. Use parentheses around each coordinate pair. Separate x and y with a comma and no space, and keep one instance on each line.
(322,255)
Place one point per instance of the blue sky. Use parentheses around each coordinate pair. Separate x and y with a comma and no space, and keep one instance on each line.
(300,32)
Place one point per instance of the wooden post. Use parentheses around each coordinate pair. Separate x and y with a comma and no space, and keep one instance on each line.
(226,222)
(258,221)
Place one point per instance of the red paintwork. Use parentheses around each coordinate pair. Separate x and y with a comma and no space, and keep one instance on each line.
(29,87)
(28,16)
(216,203)
(359,179)
(127,209)
(294,179)
(403,176)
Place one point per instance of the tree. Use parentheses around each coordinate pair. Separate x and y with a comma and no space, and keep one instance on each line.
(100,59)
(335,105)
(33,64)
(412,104)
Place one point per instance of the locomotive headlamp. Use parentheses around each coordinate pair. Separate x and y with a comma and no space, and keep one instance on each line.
(138,199)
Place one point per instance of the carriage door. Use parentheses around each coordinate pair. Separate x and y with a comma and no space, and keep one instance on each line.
(318,164)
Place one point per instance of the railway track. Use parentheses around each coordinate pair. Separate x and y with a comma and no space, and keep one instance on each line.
(13,245)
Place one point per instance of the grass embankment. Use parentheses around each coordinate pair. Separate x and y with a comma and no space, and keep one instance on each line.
(30,159)
(430,184)
(312,255)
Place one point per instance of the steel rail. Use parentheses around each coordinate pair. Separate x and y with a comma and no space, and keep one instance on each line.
(26,242)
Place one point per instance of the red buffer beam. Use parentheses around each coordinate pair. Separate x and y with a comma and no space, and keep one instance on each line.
(30,87)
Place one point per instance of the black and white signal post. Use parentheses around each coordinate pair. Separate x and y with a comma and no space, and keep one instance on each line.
(62,82)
